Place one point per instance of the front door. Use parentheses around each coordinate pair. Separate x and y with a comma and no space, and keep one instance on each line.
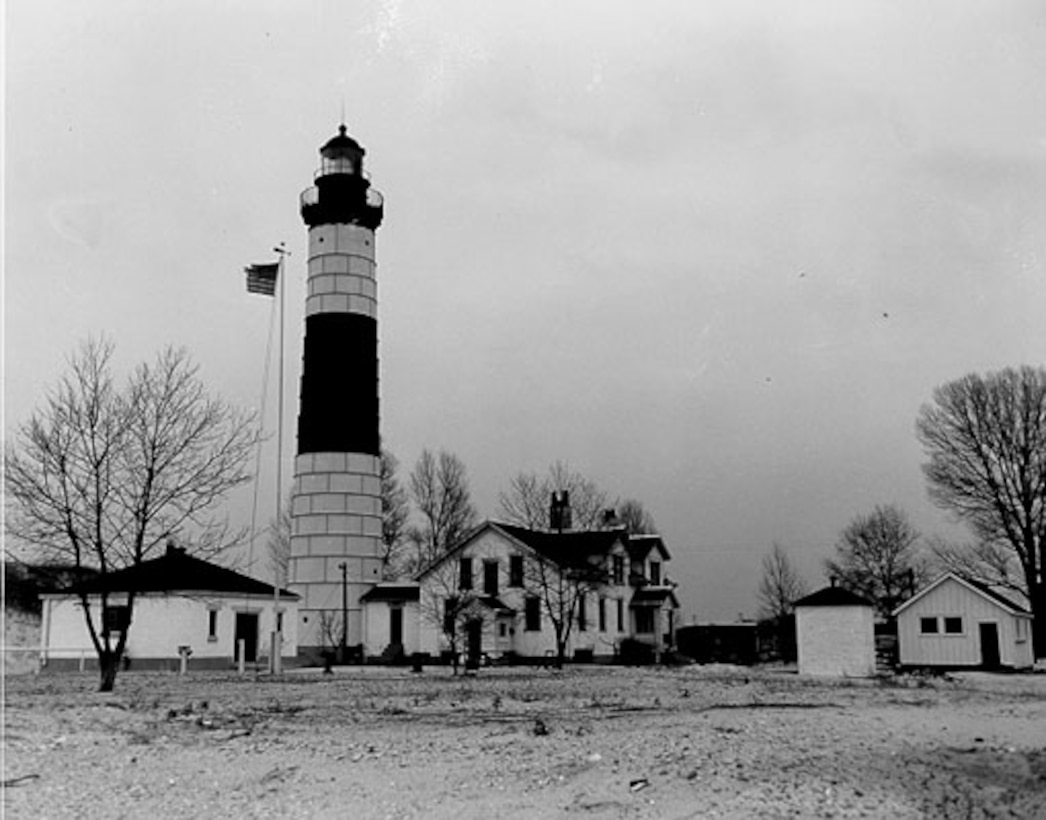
(396,625)
(989,646)
(474,643)
(247,631)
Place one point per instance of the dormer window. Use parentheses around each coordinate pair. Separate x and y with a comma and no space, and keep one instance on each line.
(655,573)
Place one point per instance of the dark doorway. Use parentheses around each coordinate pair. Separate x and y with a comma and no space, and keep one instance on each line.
(247,631)
(396,625)
(474,643)
(989,646)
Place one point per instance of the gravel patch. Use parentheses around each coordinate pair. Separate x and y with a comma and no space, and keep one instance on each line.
(588,742)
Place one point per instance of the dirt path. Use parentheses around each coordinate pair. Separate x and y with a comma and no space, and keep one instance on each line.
(589,742)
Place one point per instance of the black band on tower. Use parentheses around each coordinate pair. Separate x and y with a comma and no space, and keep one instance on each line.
(339,385)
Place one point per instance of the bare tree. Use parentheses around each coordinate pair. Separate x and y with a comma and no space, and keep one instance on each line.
(985,437)
(560,587)
(876,558)
(636,519)
(440,489)
(526,502)
(100,477)
(395,510)
(985,562)
(448,607)
(780,585)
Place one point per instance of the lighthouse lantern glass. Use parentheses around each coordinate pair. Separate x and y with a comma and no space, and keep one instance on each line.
(338,165)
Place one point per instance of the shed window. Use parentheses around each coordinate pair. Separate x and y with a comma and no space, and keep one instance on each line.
(116,618)
(928,626)
(212,624)
(953,626)
(1022,630)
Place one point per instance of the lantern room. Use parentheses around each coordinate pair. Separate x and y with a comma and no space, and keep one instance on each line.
(341,155)
(342,193)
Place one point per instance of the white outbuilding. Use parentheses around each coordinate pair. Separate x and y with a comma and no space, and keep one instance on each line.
(954,623)
(180,604)
(835,634)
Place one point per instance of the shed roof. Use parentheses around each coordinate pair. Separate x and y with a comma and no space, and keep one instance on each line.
(392,592)
(833,596)
(176,571)
(976,587)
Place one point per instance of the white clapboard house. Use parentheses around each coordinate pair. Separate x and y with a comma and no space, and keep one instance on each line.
(491,574)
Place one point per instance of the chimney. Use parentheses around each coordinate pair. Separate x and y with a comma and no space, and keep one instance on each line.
(610,518)
(173,550)
(559,517)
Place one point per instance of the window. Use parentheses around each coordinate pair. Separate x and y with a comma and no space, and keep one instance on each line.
(620,615)
(582,615)
(502,629)
(655,573)
(212,624)
(602,614)
(953,626)
(515,571)
(116,618)
(450,614)
(532,614)
(644,620)
(279,622)
(928,626)
(618,570)
(490,577)
(1022,630)
(465,578)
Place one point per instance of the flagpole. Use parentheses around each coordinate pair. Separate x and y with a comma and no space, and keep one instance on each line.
(277,636)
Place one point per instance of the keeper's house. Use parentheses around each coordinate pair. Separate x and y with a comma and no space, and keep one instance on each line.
(955,623)
(179,601)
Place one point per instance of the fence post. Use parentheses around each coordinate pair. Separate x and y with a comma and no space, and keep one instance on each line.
(241,646)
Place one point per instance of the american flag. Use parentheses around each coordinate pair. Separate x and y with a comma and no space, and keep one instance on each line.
(262,278)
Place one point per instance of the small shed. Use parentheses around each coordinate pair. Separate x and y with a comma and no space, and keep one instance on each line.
(955,622)
(179,601)
(391,620)
(835,634)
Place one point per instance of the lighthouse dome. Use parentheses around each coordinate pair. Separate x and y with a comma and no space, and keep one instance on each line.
(342,145)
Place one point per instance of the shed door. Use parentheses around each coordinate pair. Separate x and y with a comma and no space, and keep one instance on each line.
(989,646)
(396,625)
(247,630)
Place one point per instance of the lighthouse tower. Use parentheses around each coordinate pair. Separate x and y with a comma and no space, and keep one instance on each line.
(336,507)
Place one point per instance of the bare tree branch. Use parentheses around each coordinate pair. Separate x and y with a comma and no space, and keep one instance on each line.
(985,437)
(780,585)
(876,557)
(100,477)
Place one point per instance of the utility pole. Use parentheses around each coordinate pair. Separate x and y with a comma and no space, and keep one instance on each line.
(344,567)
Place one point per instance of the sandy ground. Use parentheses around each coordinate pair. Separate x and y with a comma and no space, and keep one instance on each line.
(511,743)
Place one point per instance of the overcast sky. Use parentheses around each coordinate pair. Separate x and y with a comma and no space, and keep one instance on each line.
(713,255)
